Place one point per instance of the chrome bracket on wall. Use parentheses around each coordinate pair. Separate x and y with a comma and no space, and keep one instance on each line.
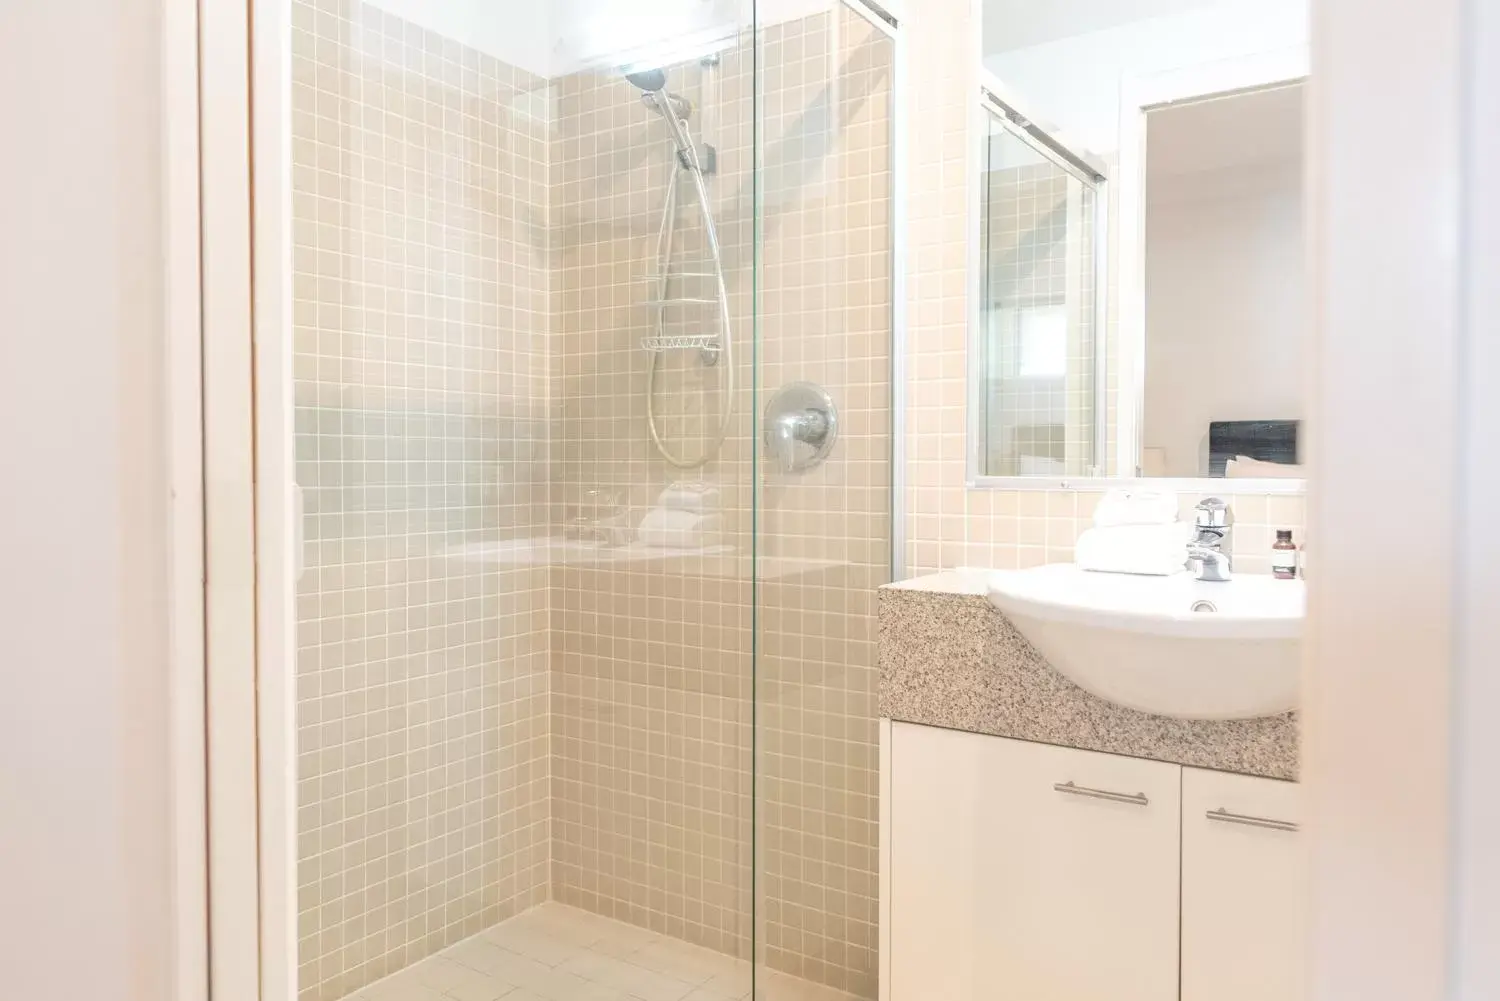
(801,425)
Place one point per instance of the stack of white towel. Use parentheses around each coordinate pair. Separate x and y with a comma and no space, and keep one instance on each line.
(686,516)
(1135,531)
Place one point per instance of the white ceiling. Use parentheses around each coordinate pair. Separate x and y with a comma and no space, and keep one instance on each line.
(1258,129)
(1019,24)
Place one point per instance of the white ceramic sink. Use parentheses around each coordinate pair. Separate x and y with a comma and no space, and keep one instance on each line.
(1172,646)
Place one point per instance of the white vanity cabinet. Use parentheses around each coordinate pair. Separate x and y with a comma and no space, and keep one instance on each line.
(1020,870)
(1243,889)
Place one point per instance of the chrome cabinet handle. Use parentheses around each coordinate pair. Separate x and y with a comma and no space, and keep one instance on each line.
(1138,799)
(1223,816)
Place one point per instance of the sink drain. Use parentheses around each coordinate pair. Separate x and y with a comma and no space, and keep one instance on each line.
(1205,606)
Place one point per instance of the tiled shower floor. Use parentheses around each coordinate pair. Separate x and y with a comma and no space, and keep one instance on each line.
(559,953)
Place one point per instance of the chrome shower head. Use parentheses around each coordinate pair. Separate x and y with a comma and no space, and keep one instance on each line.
(654,95)
(649,81)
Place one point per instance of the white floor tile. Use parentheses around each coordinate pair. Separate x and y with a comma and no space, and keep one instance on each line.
(734,984)
(484,990)
(684,962)
(559,953)
(624,976)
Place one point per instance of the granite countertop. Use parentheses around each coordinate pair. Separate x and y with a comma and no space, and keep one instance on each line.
(949,658)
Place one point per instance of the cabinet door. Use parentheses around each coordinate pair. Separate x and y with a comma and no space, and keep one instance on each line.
(1243,889)
(1009,884)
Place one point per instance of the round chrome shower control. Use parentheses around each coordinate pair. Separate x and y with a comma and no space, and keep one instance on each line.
(801,426)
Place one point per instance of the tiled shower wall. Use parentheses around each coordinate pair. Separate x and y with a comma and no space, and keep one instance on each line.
(421,395)
(827,314)
(472,245)
(652,663)
(947,524)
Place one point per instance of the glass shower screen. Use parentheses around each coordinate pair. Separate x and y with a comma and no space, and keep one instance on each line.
(585,690)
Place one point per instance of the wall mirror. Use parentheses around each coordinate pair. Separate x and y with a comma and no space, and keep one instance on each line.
(1138,245)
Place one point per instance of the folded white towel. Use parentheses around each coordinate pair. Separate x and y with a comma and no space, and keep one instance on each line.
(1157,550)
(690,495)
(671,528)
(1241,467)
(1135,507)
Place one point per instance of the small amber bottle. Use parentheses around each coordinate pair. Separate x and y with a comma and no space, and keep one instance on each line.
(1284,556)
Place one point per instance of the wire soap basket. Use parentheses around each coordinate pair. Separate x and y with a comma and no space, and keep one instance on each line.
(683,292)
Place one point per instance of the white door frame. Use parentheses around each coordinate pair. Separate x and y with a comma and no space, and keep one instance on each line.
(278,504)
(187,740)
(230,504)
(1475,836)
(248,498)
(1400,687)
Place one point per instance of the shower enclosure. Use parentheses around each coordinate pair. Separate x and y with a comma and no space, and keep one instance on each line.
(585,683)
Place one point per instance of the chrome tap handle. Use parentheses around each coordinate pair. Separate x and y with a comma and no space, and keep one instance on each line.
(1213,564)
(1210,549)
(1214,520)
(1212,513)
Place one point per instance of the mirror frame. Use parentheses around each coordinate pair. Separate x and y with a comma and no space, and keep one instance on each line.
(1138,96)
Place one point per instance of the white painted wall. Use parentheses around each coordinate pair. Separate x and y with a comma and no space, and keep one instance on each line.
(553,38)
(589,33)
(1074,84)
(1226,319)
(1016,24)
(517,32)
(85,815)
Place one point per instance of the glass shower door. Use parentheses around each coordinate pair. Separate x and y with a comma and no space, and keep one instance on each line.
(827,317)
(423,412)
(523,271)
(585,685)
(653,227)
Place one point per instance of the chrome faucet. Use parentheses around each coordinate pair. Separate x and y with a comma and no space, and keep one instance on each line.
(1211,545)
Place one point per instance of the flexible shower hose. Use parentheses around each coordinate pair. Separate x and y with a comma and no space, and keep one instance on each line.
(725,354)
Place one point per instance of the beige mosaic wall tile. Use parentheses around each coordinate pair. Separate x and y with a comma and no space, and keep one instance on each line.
(651,668)
(826,318)
(943,52)
(421,315)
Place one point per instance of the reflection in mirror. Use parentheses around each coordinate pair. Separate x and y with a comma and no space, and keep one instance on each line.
(1039,404)
(1224,286)
(1186,367)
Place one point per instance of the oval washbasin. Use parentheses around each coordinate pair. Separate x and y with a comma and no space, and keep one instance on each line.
(1170,646)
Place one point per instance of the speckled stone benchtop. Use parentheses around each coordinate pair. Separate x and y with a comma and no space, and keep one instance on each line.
(949,658)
